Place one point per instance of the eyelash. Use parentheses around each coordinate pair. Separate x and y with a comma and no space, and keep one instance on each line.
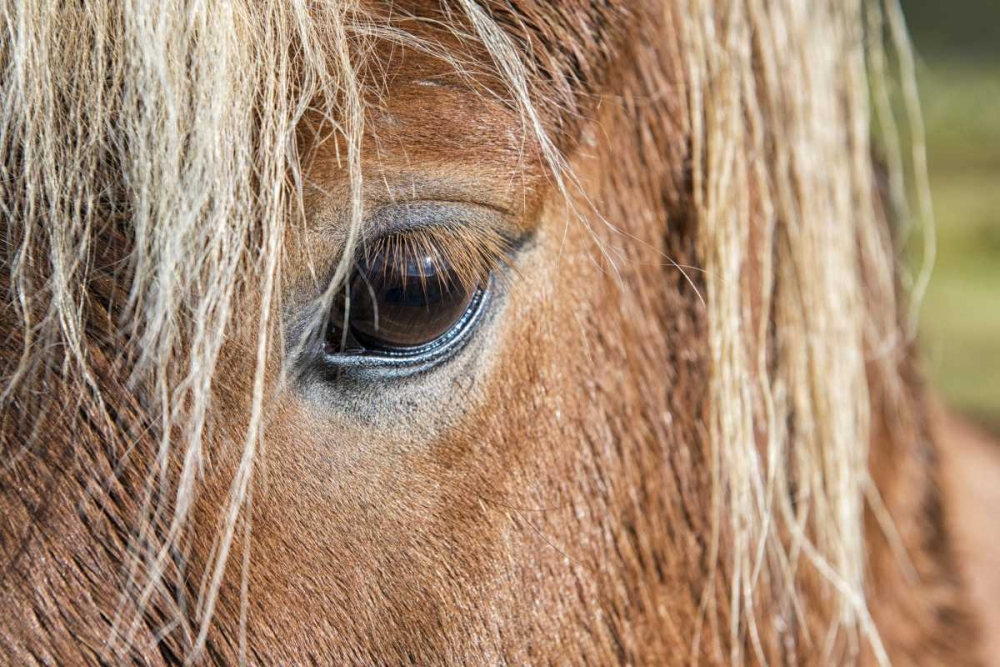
(475,253)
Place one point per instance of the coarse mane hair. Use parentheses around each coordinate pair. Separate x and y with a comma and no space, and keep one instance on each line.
(152,164)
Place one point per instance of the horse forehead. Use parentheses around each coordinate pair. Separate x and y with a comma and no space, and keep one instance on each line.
(432,131)
(438,117)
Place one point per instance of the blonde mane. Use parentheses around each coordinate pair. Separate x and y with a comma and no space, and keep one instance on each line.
(183,119)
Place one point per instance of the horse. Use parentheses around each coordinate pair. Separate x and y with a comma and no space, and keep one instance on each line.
(470,332)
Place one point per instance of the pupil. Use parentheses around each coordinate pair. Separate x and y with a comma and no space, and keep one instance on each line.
(420,285)
(400,299)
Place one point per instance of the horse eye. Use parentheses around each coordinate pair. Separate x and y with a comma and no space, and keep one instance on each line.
(401,300)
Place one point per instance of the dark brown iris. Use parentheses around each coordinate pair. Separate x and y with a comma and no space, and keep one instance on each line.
(400,299)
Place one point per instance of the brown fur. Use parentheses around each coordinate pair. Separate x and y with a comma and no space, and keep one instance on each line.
(550,505)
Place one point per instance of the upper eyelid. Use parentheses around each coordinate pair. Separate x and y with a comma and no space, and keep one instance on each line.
(407,215)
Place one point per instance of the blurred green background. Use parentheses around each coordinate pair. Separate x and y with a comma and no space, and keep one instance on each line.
(958,51)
